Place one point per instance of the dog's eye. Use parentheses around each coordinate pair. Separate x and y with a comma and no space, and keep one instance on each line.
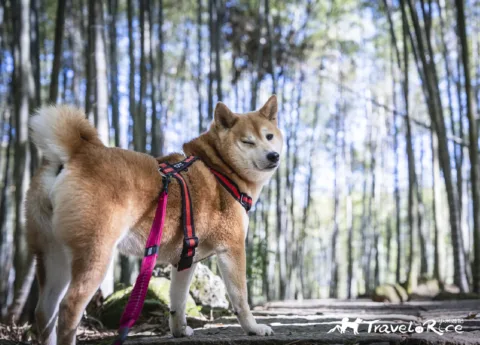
(269,136)
(246,142)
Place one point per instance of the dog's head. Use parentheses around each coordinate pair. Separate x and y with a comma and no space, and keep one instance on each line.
(250,143)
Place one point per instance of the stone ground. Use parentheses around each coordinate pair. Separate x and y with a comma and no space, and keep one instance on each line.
(308,322)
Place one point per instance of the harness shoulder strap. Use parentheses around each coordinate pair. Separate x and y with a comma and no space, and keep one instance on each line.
(190,241)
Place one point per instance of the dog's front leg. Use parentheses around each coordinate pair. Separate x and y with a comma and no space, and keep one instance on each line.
(179,290)
(232,263)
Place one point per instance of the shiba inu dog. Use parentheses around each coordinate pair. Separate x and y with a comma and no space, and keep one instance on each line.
(87,199)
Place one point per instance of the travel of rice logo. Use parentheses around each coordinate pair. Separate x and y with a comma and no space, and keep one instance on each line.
(439,327)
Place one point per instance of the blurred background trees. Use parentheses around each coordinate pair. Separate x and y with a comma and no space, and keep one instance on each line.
(379,106)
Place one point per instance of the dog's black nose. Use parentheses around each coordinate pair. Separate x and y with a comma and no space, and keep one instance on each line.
(273,157)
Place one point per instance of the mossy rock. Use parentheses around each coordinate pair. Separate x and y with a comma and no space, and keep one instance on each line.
(157,301)
(393,293)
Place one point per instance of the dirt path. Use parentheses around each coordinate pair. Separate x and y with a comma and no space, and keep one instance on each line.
(308,322)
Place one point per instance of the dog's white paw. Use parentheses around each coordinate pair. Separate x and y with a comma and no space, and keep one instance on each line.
(262,330)
(185,331)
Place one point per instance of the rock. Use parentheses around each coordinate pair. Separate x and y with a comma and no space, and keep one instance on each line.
(156,302)
(208,289)
(390,293)
(426,290)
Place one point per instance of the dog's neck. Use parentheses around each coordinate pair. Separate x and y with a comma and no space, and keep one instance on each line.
(204,148)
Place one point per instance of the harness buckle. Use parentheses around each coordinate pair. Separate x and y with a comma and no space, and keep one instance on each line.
(188,244)
(166,180)
(245,201)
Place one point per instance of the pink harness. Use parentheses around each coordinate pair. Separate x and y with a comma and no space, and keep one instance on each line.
(135,302)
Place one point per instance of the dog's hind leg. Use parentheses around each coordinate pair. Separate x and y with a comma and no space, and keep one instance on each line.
(89,265)
(91,241)
(53,272)
(232,264)
(179,290)
(88,271)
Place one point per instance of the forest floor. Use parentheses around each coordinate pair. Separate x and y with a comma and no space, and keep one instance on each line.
(310,321)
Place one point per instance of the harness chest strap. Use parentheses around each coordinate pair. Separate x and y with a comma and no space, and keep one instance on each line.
(190,241)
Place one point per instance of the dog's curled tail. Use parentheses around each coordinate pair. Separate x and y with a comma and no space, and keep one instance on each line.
(59,131)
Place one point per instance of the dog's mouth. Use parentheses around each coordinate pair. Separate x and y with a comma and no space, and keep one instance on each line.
(269,167)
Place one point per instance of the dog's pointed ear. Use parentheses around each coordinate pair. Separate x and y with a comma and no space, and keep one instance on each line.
(270,109)
(224,117)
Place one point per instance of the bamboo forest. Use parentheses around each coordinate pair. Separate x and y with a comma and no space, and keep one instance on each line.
(378,186)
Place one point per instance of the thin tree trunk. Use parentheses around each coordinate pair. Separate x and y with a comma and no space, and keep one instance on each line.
(281,222)
(395,146)
(424,271)
(333,293)
(131,55)
(350,219)
(157,130)
(199,66)
(114,96)
(127,264)
(270,41)
(473,143)
(101,104)
(436,197)
(139,123)
(5,202)
(57,50)
(23,80)
(218,38)
(210,59)
(101,81)
(90,67)
(424,53)
(16,308)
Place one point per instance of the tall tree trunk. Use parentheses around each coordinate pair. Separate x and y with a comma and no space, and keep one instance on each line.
(114,96)
(219,10)
(211,30)
(424,271)
(334,276)
(349,154)
(139,123)
(5,205)
(127,264)
(35,47)
(199,66)
(131,55)
(23,84)
(101,81)
(281,220)
(473,143)
(157,120)
(57,51)
(90,66)
(101,103)
(436,198)
(424,59)
(412,176)
(395,143)
(268,24)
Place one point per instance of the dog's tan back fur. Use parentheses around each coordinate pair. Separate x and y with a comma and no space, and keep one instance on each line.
(105,197)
